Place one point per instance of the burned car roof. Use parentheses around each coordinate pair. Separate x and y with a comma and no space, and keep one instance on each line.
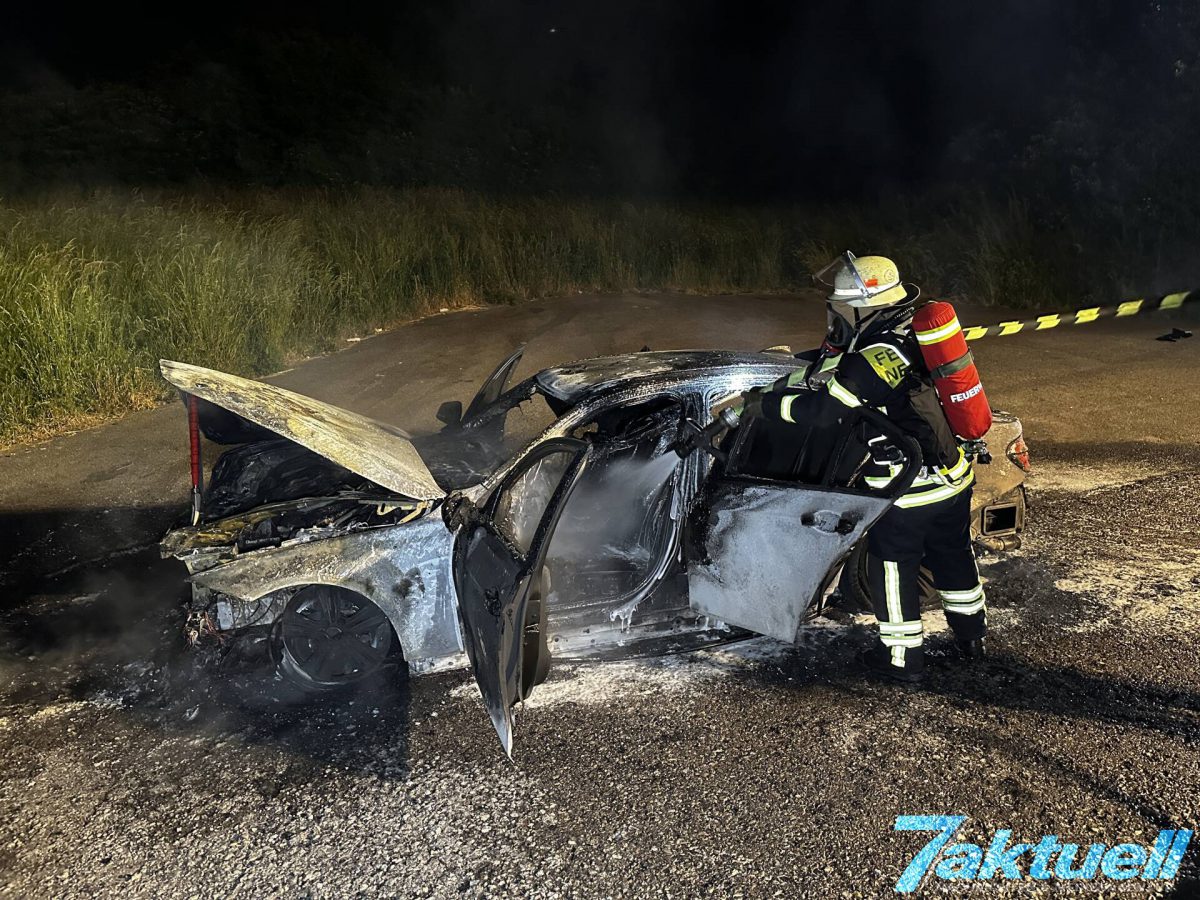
(574,381)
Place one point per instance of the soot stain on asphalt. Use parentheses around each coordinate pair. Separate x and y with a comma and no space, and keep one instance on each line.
(111,640)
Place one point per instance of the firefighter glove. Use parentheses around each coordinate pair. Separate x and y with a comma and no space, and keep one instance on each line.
(752,404)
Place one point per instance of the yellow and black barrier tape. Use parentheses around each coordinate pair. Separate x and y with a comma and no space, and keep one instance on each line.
(1082,316)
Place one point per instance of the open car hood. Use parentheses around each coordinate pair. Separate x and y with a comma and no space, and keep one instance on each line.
(376,451)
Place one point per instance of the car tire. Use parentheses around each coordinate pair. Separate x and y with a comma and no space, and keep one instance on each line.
(856,590)
(330,638)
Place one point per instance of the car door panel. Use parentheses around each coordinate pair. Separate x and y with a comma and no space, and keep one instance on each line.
(770,550)
(499,560)
(769,546)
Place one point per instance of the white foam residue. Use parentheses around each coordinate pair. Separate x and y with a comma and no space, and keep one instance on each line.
(103,700)
(1140,589)
(602,683)
(1062,476)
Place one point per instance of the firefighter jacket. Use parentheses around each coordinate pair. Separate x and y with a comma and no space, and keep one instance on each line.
(889,375)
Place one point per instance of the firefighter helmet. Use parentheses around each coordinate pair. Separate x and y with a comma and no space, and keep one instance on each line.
(865,282)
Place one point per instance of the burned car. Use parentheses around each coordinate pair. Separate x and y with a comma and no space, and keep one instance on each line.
(353,546)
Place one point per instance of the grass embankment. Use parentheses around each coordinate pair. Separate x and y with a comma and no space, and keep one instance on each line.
(93,292)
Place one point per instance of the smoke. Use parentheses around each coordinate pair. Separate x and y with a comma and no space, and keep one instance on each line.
(106,632)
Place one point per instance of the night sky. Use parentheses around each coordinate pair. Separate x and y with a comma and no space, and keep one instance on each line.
(751,100)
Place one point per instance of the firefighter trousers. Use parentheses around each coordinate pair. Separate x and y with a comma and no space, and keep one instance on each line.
(937,536)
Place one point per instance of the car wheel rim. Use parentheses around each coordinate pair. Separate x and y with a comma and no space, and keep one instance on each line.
(334,636)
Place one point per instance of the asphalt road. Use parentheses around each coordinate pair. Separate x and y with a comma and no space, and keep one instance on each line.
(128,765)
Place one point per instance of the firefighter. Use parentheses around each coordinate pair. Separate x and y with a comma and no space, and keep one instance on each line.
(872,357)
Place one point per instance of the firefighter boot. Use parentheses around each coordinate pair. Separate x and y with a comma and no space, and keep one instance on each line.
(878,661)
(971,649)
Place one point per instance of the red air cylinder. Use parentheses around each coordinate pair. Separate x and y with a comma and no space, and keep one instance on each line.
(953,369)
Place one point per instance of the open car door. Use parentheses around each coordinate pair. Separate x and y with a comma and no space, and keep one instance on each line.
(776,532)
(501,580)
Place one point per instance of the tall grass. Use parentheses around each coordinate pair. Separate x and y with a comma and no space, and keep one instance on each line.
(93,291)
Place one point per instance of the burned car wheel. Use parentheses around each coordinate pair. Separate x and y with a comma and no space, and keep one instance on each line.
(329,637)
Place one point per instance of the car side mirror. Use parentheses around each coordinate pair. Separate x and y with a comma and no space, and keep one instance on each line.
(450,412)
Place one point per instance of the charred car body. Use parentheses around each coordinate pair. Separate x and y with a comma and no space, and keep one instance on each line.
(351,544)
